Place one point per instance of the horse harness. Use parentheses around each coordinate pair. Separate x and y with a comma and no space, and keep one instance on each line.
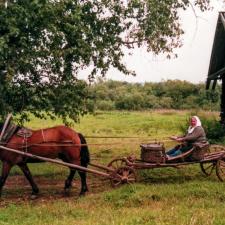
(25,133)
(12,129)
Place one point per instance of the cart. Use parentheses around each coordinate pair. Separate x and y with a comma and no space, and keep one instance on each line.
(153,155)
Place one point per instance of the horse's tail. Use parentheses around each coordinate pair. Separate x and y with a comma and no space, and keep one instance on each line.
(84,153)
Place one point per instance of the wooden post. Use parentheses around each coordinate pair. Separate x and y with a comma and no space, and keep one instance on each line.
(222,105)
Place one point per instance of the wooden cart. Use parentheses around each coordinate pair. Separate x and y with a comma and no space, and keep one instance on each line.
(209,158)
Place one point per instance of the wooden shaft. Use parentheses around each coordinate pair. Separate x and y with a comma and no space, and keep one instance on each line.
(5,125)
(102,167)
(81,168)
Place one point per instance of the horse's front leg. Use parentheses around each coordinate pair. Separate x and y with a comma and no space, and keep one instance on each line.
(69,180)
(27,173)
(5,172)
(84,187)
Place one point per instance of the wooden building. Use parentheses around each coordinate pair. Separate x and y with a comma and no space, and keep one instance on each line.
(217,62)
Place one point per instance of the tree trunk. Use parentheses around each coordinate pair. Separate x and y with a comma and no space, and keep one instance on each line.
(222,105)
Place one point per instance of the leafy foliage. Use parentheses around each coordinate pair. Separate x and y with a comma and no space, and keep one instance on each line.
(215,130)
(45,43)
(169,94)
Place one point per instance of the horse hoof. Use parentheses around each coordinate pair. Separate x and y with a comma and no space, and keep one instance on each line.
(82,194)
(67,192)
(33,197)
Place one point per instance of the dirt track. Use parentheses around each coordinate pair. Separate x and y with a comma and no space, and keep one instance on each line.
(17,189)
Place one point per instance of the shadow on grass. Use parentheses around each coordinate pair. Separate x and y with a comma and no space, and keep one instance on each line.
(173,176)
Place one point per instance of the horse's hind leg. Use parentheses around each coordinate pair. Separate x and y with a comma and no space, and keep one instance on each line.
(68,182)
(27,173)
(5,172)
(84,187)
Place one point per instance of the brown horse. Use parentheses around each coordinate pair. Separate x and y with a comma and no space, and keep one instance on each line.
(56,142)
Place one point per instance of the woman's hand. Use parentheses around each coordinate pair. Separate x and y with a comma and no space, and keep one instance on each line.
(179,139)
(174,138)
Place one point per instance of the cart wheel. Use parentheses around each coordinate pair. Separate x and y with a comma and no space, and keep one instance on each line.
(123,175)
(220,169)
(117,163)
(207,168)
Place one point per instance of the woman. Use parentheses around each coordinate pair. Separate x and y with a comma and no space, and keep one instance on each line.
(195,136)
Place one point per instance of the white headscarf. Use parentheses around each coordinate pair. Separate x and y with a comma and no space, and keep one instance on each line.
(198,124)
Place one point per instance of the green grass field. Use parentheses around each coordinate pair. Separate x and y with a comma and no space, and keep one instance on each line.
(162,196)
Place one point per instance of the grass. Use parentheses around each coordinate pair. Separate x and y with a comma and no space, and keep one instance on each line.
(162,196)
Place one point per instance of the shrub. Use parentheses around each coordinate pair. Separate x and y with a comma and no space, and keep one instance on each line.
(105,105)
(214,130)
(169,94)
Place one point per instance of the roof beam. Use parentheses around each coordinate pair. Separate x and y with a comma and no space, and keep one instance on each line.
(216,75)
(222,16)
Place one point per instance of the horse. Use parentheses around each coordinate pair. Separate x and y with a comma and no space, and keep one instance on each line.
(56,142)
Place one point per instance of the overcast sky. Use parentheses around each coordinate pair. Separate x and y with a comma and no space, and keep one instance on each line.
(193,58)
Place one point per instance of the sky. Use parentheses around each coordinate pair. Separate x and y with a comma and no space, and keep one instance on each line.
(193,58)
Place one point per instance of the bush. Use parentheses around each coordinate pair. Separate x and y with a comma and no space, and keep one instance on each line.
(105,105)
(167,94)
(214,130)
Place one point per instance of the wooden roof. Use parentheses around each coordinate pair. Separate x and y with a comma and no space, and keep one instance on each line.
(217,61)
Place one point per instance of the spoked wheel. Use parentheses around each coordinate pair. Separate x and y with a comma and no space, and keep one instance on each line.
(117,163)
(123,175)
(207,168)
(220,169)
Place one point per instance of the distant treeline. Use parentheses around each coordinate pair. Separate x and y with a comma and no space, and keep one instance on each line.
(170,94)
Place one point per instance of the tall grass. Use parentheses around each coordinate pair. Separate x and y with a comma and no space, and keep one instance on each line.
(162,196)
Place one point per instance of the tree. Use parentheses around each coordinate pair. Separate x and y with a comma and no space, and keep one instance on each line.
(45,43)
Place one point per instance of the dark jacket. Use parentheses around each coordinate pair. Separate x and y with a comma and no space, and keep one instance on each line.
(198,136)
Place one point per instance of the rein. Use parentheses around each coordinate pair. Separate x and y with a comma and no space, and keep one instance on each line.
(69,144)
(132,137)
